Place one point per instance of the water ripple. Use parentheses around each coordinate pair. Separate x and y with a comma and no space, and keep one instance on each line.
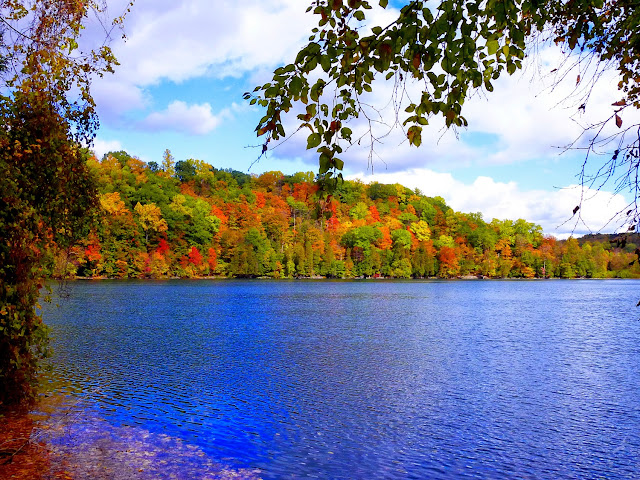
(349,380)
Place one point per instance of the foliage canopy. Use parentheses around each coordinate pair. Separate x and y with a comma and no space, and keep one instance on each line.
(157,224)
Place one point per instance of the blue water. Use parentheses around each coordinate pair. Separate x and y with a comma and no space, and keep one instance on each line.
(368,379)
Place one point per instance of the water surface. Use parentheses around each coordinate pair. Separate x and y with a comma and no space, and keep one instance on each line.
(369,379)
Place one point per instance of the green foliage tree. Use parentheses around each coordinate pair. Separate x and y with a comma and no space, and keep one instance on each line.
(185,170)
(401,238)
(407,218)
(362,237)
(192,216)
(359,212)
(46,194)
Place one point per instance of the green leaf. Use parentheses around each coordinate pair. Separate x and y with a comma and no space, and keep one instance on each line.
(359,15)
(313,140)
(325,163)
(492,47)
(312,110)
(414,134)
(271,92)
(316,90)
(295,86)
(325,62)
(384,3)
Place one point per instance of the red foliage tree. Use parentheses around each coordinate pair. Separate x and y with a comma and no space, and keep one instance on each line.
(373,212)
(92,253)
(195,257)
(260,199)
(163,246)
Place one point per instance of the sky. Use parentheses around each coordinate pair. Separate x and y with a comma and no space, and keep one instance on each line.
(185,65)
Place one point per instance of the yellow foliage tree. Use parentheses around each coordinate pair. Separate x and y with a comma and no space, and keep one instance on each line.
(421,230)
(150,218)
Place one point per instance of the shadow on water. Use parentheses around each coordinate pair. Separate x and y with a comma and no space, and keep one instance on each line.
(62,438)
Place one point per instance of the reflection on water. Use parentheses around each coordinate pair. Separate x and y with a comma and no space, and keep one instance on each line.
(359,379)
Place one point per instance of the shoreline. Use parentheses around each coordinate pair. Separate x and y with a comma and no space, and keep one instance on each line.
(318,277)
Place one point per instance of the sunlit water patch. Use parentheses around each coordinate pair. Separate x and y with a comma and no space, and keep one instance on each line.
(359,379)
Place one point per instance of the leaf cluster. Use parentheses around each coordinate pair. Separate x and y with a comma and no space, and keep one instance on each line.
(450,49)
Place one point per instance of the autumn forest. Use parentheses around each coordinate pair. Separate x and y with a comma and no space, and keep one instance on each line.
(189,219)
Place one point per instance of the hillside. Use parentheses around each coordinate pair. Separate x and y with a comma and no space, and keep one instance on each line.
(190,219)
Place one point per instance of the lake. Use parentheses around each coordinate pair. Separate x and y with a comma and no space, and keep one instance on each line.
(358,379)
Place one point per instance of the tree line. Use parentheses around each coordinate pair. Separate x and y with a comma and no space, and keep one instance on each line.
(189,219)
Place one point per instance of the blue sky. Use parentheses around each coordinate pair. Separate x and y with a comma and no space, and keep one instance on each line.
(186,65)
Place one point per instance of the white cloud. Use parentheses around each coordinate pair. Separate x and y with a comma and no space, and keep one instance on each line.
(534,115)
(190,119)
(170,42)
(113,98)
(182,40)
(552,210)
(100,147)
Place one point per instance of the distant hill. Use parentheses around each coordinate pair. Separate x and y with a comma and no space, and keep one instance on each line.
(611,238)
